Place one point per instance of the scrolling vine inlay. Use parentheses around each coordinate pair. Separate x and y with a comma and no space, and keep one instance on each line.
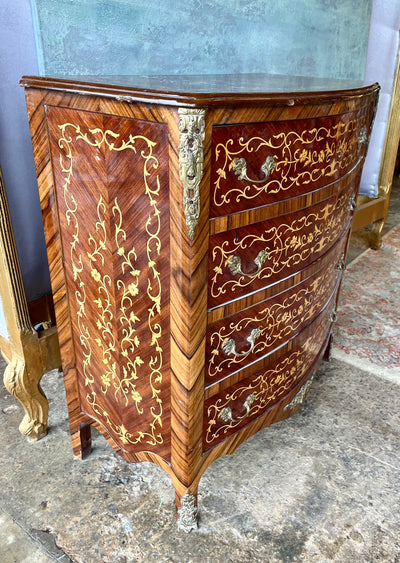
(266,387)
(287,244)
(296,158)
(122,381)
(277,321)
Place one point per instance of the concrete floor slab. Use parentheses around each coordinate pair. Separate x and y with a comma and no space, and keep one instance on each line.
(321,486)
(16,546)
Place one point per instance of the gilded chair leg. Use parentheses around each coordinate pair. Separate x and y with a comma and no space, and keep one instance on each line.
(23,382)
(375,238)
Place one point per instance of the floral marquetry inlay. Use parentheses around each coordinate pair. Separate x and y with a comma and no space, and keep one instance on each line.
(123,385)
(296,159)
(290,244)
(110,280)
(275,322)
(265,388)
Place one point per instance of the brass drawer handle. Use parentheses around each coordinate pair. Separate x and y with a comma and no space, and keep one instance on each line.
(298,399)
(239,166)
(235,264)
(229,347)
(226,413)
(352,203)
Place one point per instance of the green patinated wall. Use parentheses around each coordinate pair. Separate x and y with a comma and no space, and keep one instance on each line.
(304,37)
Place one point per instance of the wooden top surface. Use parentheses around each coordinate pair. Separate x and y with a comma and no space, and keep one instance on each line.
(204,90)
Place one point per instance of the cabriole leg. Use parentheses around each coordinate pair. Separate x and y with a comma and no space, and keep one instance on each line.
(328,350)
(375,239)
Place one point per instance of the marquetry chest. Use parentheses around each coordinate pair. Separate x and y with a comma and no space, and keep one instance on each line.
(196,230)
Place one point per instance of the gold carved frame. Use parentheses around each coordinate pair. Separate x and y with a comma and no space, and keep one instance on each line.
(29,354)
(375,211)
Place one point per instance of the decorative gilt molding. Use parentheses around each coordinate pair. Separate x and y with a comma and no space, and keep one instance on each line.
(363,136)
(15,305)
(187,513)
(26,363)
(191,136)
(100,331)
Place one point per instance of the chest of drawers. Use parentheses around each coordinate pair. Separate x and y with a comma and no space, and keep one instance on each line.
(196,230)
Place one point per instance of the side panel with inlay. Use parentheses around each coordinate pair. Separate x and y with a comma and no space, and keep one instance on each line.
(111,185)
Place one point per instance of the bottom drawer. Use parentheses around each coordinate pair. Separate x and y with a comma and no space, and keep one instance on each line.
(235,407)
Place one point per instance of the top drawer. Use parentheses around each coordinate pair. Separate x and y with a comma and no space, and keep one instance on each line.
(254,164)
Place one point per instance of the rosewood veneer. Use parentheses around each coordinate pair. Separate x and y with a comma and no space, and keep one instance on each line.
(196,231)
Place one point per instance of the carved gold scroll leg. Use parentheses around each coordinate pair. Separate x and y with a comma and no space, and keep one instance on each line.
(27,357)
(375,239)
(22,379)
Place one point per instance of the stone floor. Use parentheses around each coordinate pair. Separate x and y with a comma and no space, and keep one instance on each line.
(321,486)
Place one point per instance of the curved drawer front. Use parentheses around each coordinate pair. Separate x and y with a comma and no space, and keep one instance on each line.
(254,164)
(245,260)
(245,337)
(232,409)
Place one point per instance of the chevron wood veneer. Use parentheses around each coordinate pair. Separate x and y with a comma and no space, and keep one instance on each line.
(196,231)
